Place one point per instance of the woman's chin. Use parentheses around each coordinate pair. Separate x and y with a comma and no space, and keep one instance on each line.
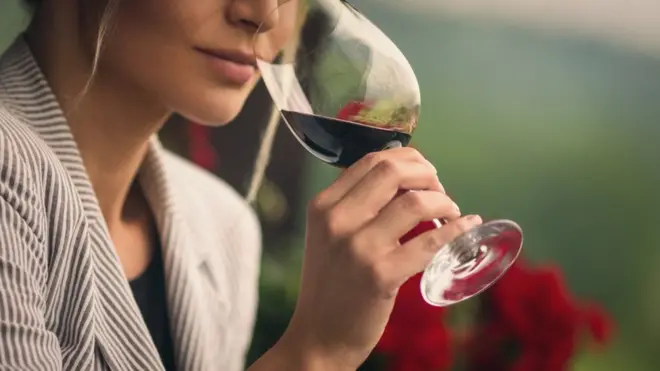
(215,106)
(207,121)
(216,117)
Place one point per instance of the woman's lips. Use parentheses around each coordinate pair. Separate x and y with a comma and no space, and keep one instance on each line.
(235,67)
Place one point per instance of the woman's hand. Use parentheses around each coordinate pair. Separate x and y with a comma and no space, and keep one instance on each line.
(354,263)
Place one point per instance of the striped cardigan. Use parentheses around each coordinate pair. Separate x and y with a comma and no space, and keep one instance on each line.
(65,303)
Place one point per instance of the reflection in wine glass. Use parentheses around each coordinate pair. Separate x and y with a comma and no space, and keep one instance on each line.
(345,90)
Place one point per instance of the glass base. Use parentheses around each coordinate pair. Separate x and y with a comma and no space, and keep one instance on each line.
(471,263)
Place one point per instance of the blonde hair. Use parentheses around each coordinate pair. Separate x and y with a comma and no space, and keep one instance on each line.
(104,28)
(268,139)
(263,155)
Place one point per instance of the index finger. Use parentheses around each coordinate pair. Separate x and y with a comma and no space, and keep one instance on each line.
(354,174)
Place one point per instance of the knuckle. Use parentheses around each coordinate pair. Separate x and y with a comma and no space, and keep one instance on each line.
(389,168)
(414,202)
(415,153)
(356,243)
(408,150)
(434,241)
(359,249)
(372,269)
(432,179)
(372,159)
(432,171)
(315,205)
(363,247)
(360,253)
(334,221)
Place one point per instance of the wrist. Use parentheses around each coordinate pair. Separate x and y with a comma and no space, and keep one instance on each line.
(301,354)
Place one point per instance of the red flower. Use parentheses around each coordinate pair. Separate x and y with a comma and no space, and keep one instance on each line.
(415,338)
(533,322)
(600,325)
(535,304)
(200,149)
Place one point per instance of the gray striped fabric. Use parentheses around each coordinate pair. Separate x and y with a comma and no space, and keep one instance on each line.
(64,301)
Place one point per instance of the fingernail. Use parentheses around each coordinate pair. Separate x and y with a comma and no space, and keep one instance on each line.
(457,208)
(474,218)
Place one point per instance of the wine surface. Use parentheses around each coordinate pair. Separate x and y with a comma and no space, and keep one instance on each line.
(338,142)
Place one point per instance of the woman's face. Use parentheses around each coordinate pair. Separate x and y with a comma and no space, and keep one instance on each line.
(196,57)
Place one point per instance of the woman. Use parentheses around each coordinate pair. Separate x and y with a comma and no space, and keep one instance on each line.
(117,255)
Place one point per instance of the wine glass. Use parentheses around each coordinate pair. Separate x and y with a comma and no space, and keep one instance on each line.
(344,90)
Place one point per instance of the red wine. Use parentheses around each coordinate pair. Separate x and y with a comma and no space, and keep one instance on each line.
(338,142)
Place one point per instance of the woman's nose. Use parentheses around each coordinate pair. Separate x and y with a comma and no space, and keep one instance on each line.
(256,15)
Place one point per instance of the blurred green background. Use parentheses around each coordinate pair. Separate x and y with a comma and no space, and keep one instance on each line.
(559,133)
(555,131)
